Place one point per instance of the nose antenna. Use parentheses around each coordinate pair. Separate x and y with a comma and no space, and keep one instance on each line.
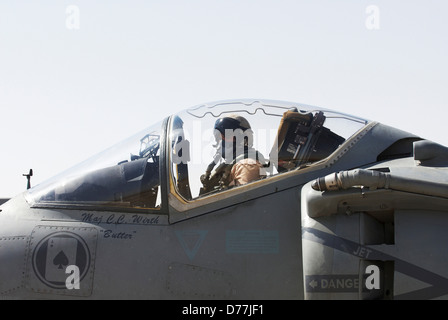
(28,177)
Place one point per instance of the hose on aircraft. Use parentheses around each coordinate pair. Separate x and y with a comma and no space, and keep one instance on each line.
(378,180)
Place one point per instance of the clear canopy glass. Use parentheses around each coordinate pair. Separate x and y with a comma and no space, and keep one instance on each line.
(284,136)
(125,175)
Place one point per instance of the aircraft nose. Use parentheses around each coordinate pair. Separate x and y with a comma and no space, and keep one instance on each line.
(14,241)
(12,263)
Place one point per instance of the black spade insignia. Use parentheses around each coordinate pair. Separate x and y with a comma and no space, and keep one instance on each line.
(60,260)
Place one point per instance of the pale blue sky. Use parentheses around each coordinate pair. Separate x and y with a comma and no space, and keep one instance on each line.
(66,94)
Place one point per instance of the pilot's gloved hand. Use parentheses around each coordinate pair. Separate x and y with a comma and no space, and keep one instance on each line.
(205,177)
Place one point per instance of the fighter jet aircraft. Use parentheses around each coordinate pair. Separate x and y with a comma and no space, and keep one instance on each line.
(250,199)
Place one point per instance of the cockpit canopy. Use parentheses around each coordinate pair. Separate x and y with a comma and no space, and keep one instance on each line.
(286,136)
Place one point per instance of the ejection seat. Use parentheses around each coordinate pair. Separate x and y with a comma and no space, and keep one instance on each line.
(302,139)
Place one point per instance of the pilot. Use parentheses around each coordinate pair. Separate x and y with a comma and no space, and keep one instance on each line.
(234,144)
